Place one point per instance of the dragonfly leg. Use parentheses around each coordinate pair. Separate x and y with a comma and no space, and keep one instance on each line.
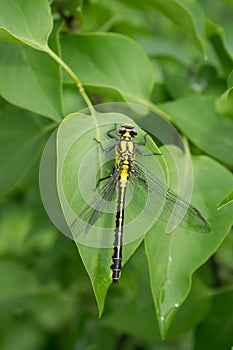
(106,177)
(102,179)
(109,133)
(106,150)
(147,154)
(144,144)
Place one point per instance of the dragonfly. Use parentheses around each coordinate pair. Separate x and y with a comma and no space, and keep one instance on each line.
(126,169)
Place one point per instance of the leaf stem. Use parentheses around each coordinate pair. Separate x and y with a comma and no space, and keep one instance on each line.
(74,78)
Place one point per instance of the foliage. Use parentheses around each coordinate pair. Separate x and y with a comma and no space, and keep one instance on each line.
(58,57)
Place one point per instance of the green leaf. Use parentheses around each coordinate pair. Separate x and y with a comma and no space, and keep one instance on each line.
(173,258)
(176,79)
(96,260)
(223,259)
(180,83)
(105,60)
(136,18)
(199,121)
(22,136)
(225,102)
(188,16)
(95,250)
(30,79)
(227,201)
(72,100)
(221,40)
(117,16)
(4,35)
(215,332)
(97,263)
(197,304)
(228,27)
(27,21)
(164,47)
(103,94)
(135,306)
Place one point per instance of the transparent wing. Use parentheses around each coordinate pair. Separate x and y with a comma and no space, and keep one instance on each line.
(175,208)
(98,206)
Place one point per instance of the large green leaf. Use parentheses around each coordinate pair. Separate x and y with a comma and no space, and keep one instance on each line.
(136,304)
(197,304)
(97,262)
(180,83)
(189,17)
(72,101)
(75,143)
(215,332)
(225,102)
(166,48)
(30,79)
(221,40)
(27,21)
(105,60)
(173,258)
(198,119)
(137,19)
(22,136)
(115,16)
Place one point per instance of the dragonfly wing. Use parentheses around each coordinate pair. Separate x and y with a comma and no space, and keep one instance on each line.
(98,206)
(176,210)
(184,213)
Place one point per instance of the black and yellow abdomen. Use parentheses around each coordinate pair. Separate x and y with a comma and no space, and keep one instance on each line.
(118,237)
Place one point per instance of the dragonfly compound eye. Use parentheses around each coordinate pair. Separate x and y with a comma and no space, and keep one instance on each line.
(121,130)
(133,133)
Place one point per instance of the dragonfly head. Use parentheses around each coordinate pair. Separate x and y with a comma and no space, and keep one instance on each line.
(127,131)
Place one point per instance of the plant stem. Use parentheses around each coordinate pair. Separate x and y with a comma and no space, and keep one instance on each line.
(74,78)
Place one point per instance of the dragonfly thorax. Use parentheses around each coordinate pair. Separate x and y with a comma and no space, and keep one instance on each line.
(125,150)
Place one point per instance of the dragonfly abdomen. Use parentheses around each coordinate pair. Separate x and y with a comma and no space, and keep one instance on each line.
(116,264)
(118,237)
